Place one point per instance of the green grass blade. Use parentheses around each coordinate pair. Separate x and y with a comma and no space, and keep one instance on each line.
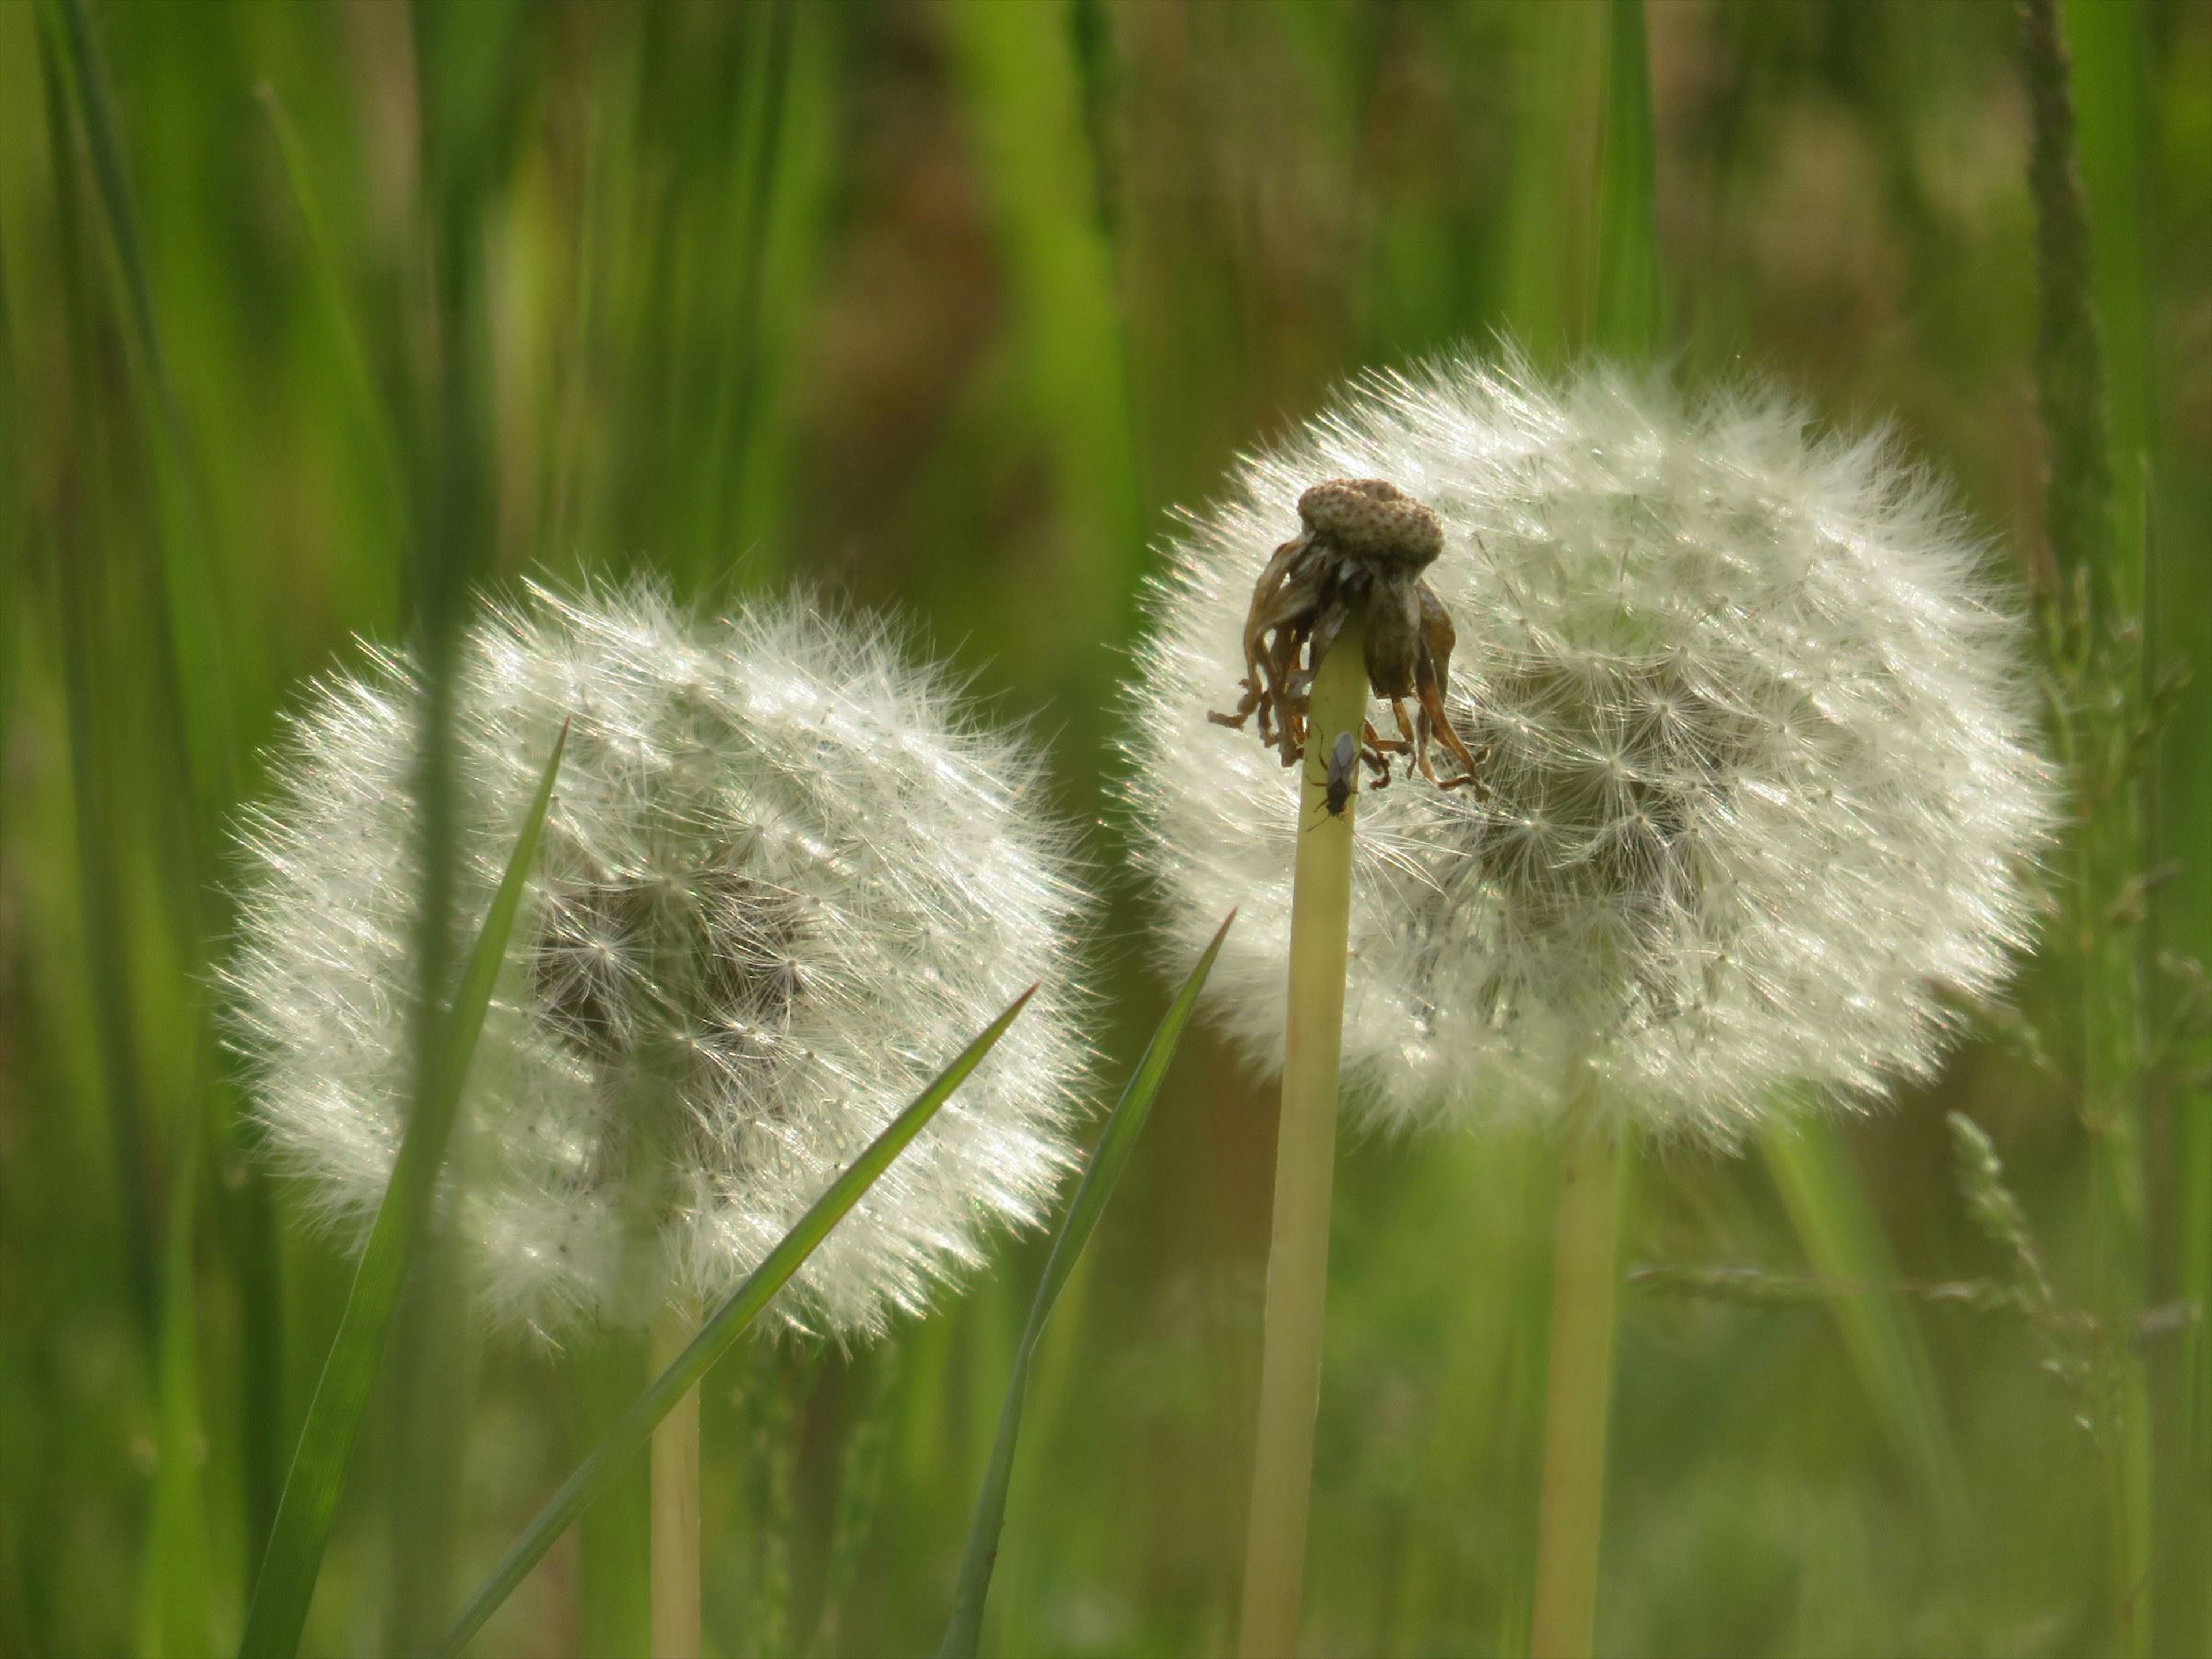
(635,1427)
(1115,1144)
(370,408)
(173,1604)
(287,1583)
(199,668)
(741,390)
(107,169)
(77,566)
(1842,1242)
(1627,320)
(2113,99)
(1542,267)
(2082,526)
(1023,101)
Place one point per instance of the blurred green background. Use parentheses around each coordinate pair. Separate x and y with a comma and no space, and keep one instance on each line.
(944,307)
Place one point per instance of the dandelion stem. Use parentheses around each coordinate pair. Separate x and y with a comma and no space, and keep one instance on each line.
(675,1495)
(1578,1385)
(1305,1154)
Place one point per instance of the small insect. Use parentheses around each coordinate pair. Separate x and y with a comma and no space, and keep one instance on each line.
(1343,774)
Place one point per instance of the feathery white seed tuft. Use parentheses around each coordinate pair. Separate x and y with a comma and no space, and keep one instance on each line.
(1760,771)
(785,879)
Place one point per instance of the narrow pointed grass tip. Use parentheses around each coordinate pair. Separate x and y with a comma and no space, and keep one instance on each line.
(1759,795)
(786,876)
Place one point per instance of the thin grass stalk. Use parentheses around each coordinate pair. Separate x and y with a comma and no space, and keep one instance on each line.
(1626,312)
(431,1396)
(195,717)
(173,1606)
(1625,321)
(173,1610)
(371,409)
(1844,1244)
(1024,96)
(2113,102)
(613,1555)
(2098,653)
(1578,1380)
(860,1469)
(75,569)
(245,1212)
(16,536)
(460,108)
(786,1387)
(189,643)
(1305,1168)
(137,1202)
(741,389)
(675,1567)
(1543,261)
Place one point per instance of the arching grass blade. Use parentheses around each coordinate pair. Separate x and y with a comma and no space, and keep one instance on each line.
(1118,1140)
(287,1583)
(627,1438)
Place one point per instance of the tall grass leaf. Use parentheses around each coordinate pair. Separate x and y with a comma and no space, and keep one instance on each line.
(862,1467)
(192,631)
(604,1373)
(1026,106)
(287,1583)
(2113,103)
(2099,664)
(723,1327)
(371,409)
(90,84)
(740,391)
(2180,1150)
(1627,320)
(173,1608)
(75,566)
(1115,1144)
(1543,258)
(1843,1243)
(14,517)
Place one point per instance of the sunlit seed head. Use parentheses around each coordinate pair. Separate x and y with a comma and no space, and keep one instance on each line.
(1760,785)
(786,876)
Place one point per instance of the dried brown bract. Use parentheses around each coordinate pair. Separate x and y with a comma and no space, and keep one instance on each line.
(1364,542)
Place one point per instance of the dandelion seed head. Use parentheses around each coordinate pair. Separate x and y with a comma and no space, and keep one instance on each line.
(785,877)
(1760,784)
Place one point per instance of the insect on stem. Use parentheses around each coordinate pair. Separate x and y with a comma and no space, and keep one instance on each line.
(1343,774)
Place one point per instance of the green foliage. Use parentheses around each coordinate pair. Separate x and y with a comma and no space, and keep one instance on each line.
(942,306)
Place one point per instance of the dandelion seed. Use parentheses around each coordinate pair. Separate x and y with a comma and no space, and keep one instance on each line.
(785,877)
(1758,780)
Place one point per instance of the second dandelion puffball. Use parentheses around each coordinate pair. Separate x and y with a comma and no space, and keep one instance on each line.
(1758,790)
(786,878)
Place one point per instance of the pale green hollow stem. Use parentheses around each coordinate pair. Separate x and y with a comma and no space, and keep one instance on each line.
(1578,1382)
(1305,1160)
(675,1572)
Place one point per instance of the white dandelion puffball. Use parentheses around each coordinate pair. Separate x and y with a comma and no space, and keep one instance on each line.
(785,879)
(1760,791)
